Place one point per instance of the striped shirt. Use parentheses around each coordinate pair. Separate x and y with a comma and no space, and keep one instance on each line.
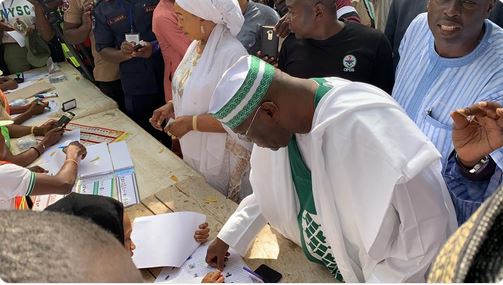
(16,181)
(429,87)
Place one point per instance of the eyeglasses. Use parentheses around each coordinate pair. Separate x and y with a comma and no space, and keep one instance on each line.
(245,136)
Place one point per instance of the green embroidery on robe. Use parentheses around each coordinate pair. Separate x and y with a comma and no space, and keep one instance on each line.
(313,240)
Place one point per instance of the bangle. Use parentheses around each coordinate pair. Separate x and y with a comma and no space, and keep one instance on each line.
(72,160)
(194,123)
(32,130)
(38,151)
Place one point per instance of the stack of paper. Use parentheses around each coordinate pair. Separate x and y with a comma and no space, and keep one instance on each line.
(97,161)
(166,239)
(107,170)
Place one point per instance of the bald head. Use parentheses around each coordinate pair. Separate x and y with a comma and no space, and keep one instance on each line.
(54,247)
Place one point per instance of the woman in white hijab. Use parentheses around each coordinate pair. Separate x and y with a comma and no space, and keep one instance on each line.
(206,145)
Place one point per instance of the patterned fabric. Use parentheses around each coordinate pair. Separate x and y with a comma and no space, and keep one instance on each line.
(315,245)
(312,238)
(251,91)
(477,242)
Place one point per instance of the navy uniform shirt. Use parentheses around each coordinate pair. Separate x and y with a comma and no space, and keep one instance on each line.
(111,22)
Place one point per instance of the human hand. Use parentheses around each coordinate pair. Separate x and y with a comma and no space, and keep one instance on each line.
(180,127)
(283,26)
(8,84)
(37,107)
(161,114)
(52,136)
(477,131)
(47,126)
(271,60)
(87,15)
(75,150)
(6,27)
(144,52)
(214,277)
(217,254)
(127,49)
(203,233)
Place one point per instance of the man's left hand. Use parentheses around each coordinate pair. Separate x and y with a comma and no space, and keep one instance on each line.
(477,131)
(144,52)
(180,127)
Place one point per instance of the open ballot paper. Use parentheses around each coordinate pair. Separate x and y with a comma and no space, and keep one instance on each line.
(107,170)
(166,239)
(195,268)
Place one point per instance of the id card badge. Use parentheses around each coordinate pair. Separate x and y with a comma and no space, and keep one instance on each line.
(133,38)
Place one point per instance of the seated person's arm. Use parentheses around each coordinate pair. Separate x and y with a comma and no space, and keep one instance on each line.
(17,131)
(27,157)
(63,181)
(28,111)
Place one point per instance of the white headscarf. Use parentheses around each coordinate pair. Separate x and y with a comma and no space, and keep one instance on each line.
(227,12)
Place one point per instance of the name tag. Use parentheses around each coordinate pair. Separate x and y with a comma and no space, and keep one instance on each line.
(115,20)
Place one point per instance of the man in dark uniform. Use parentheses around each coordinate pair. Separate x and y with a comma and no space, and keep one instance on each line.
(141,63)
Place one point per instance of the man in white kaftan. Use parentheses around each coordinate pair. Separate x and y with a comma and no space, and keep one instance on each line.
(358,186)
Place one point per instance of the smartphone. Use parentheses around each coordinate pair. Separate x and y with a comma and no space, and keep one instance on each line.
(65,119)
(268,274)
(270,41)
(137,47)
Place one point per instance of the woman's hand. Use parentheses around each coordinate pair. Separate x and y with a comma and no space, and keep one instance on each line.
(180,127)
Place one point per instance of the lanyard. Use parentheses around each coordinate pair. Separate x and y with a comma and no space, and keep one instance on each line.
(130,14)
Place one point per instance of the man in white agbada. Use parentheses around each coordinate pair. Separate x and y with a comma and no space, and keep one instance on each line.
(339,169)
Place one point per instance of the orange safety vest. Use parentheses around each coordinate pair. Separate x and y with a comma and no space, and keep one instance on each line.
(5,102)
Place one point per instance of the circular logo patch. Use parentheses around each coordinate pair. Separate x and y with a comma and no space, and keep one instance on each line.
(349,63)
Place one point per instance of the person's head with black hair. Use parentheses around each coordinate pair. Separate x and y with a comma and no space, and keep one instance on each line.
(53,247)
(106,212)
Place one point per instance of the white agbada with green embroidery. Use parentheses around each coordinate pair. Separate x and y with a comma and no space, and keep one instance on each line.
(378,191)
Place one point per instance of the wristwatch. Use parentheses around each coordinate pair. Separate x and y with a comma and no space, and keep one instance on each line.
(483,170)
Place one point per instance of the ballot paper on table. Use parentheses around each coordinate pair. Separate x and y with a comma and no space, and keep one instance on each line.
(45,116)
(97,161)
(54,157)
(195,268)
(166,239)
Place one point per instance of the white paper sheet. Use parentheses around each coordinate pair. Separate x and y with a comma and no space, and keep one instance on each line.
(166,239)
(54,157)
(196,267)
(97,161)
(18,37)
(120,155)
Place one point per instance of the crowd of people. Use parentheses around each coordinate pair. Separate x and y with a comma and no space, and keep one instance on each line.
(367,148)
